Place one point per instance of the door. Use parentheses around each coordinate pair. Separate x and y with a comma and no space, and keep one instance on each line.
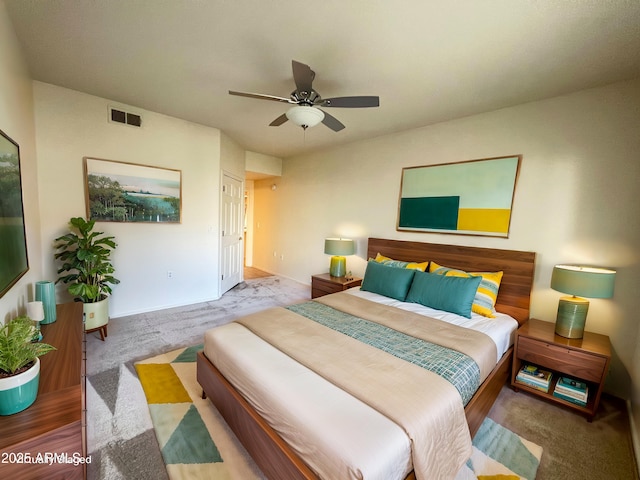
(231,241)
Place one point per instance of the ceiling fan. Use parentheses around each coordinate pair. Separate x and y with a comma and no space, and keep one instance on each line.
(306,113)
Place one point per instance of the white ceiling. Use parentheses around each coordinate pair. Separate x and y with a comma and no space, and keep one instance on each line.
(429,61)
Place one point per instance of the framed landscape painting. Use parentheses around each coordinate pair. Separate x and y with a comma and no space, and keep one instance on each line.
(474,197)
(127,192)
(13,240)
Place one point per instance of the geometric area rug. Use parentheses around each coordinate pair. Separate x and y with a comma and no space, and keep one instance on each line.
(194,440)
(500,454)
(196,443)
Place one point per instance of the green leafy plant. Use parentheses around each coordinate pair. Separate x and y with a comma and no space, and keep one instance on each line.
(16,349)
(86,264)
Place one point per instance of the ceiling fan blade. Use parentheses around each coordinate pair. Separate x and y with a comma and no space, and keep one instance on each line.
(279,121)
(260,96)
(332,122)
(350,102)
(303,76)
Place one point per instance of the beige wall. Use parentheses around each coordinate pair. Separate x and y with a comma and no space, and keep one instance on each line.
(263,165)
(72,125)
(232,156)
(576,200)
(17,122)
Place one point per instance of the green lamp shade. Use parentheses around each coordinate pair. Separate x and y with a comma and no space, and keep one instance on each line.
(590,282)
(339,248)
(579,281)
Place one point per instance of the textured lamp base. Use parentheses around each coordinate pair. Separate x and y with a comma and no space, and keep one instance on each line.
(338,266)
(572,315)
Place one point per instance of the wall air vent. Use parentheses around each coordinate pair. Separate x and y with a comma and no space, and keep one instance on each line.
(120,116)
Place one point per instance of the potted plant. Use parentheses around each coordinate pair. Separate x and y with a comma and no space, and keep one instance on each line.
(87,269)
(19,365)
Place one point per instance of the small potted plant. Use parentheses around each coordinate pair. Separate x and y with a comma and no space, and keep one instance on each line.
(87,269)
(19,365)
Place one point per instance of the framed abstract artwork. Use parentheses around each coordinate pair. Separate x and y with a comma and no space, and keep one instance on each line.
(128,192)
(13,239)
(474,197)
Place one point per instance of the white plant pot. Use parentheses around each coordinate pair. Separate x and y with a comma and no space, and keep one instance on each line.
(96,314)
(19,391)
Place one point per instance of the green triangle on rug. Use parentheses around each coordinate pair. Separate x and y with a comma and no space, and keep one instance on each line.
(189,354)
(498,453)
(193,437)
(191,442)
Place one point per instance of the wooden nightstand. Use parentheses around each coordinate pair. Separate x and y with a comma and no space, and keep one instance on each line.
(324,284)
(585,359)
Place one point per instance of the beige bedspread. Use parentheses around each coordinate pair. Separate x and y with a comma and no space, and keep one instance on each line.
(425,405)
(473,343)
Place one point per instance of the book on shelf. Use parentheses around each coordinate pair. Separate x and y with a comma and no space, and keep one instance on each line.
(531,373)
(529,369)
(533,381)
(570,384)
(570,398)
(580,395)
(540,381)
(573,393)
(530,384)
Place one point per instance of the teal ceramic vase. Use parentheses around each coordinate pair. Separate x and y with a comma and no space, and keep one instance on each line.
(46,293)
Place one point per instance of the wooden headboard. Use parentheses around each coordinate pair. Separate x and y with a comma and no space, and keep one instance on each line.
(518,267)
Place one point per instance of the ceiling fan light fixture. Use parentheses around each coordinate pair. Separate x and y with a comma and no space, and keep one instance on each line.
(305,116)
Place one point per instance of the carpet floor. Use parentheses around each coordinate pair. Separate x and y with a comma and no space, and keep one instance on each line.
(123,445)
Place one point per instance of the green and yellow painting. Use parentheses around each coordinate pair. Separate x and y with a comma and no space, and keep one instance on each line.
(473,197)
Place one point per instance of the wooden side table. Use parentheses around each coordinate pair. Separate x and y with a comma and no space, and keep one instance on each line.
(586,359)
(324,284)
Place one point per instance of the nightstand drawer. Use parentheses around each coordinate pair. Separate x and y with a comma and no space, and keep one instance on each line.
(326,287)
(565,360)
(325,284)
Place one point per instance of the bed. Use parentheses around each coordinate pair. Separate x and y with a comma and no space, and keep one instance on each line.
(288,450)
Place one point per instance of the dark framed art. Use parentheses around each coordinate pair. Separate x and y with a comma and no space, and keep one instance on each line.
(474,197)
(128,192)
(13,238)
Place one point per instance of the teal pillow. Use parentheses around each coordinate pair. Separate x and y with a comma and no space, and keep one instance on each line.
(451,294)
(389,281)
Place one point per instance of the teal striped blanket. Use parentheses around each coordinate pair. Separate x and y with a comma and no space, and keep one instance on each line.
(457,368)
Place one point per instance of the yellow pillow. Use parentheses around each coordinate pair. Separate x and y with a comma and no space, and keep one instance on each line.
(398,263)
(485,300)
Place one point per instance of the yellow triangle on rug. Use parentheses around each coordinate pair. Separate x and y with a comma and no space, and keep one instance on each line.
(196,443)
(194,440)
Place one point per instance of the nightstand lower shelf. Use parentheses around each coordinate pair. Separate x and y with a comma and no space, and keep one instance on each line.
(585,359)
(588,410)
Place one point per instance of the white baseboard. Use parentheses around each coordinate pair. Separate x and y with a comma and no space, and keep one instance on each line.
(156,308)
(635,440)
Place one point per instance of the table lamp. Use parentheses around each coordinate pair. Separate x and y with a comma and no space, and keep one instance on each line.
(35,311)
(590,282)
(338,247)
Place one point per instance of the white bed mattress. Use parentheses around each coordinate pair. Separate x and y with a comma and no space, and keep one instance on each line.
(330,435)
(501,329)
